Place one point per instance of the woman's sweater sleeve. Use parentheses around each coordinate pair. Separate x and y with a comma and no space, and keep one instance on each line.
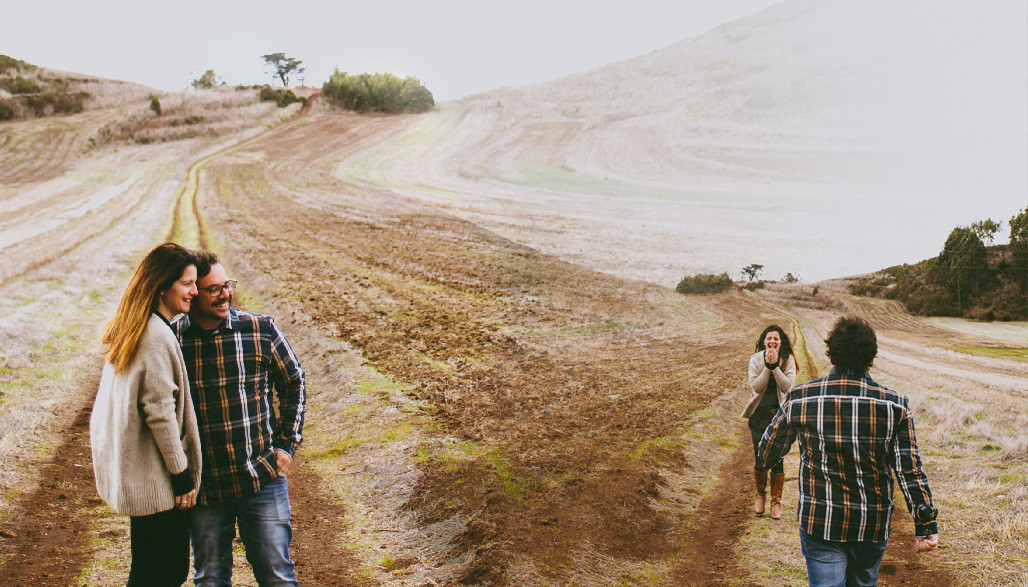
(759,374)
(158,393)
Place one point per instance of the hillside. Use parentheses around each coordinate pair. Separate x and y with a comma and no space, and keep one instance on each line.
(999,292)
(758,136)
(503,386)
(28,90)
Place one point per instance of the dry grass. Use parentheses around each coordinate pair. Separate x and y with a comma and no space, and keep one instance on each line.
(192,113)
(364,438)
(973,432)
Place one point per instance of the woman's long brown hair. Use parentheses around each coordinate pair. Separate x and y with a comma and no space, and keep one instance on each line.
(156,273)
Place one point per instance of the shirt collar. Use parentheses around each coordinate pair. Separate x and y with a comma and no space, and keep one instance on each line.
(228,324)
(837,372)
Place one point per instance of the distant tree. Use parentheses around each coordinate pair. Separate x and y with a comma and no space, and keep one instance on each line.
(1019,245)
(752,270)
(283,66)
(790,278)
(155,105)
(963,263)
(207,81)
(986,229)
(1019,227)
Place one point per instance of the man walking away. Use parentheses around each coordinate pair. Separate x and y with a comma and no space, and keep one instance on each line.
(854,435)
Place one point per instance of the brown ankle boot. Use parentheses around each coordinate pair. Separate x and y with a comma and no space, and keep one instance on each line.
(760,478)
(777,483)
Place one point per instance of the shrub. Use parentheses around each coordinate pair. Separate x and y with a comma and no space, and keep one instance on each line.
(21,85)
(12,64)
(704,283)
(281,97)
(155,105)
(6,110)
(381,92)
(754,286)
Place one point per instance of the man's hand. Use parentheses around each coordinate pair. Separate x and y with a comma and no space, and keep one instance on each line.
(926,544)
(186,501)
(282,462)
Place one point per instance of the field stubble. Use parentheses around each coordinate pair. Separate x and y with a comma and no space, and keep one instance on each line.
(481,412)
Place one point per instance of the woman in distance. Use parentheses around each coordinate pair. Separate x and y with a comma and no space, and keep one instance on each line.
(146,445)
(772,371)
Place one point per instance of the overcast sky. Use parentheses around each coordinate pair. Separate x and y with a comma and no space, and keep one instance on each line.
(455,47)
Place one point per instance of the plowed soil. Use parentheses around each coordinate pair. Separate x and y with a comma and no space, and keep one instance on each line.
(561,407)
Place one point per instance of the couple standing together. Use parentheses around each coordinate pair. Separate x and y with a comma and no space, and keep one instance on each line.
(854,435)
(199,412)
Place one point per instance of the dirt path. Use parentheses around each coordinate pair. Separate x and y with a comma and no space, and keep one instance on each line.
(48,542)
(559,401)
(568,384)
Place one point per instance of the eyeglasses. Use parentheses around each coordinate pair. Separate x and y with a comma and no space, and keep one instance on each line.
(215,290)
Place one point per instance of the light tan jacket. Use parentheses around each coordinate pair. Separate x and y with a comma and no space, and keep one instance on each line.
(759,377)
(143,429)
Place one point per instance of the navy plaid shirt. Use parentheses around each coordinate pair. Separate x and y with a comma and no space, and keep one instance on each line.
(232,370)
(854,434)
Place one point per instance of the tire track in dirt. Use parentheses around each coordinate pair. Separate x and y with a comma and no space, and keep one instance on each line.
(47,539)
(901,564)
(318,556)
(47,542)
(189,227)
(443,306)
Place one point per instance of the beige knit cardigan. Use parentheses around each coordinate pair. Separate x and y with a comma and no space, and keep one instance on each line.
(143,428)
(760,375)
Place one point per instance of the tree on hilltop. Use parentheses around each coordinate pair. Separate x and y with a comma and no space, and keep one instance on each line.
(283,66)
(752,270)
(963,262)
(1019,244)
(207,81)
(986,229)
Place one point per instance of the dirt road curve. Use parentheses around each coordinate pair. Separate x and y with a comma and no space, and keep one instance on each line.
(569,427)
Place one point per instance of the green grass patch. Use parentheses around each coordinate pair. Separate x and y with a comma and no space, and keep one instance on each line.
(513,486)
(1015,354)
(378,386)
(659,444)
(1012,478)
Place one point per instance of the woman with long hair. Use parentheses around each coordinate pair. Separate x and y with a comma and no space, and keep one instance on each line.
(146,445)
(772,371)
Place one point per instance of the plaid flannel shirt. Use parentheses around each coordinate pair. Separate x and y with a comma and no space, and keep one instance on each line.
(853,435)
(232,370)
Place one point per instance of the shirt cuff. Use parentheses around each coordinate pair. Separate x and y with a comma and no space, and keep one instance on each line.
(182,483)
(925,530)
(285,446)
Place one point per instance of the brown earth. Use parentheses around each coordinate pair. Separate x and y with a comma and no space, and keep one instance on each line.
(575,390)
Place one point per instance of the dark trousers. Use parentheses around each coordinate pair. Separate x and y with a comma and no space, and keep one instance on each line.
(160,549)
(757,428)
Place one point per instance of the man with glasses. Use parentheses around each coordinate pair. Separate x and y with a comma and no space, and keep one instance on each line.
(240,366)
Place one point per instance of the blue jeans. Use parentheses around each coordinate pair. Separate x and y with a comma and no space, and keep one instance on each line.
(264,528)
(841,564)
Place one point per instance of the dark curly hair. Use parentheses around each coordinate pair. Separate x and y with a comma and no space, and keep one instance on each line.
(204,261)
(784,351)
(852,345)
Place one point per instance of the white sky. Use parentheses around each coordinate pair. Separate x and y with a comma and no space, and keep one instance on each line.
(455,47)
